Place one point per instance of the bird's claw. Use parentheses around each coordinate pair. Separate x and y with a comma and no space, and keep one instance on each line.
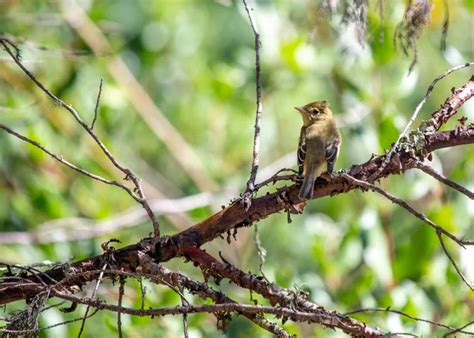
(325,176)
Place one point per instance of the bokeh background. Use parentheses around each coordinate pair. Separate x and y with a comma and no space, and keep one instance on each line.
(196,61)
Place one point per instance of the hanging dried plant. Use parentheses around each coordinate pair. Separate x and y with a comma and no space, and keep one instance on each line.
(356,12)
(417,14)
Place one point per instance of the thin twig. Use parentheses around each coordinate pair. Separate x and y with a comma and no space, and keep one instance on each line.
(97,102)
(271,327)
(61,160)
(184,302)
(119,313)
(258,113)
(415,115)
(99,280)
(458,270)
(142,293)
(276,178)
(401,313)
(460,330)
(52,306)
(146,108)
(69,108)
(128,173)
(406,206)
(185,325)
(430,171)
(262,253)
(24,332)
(439,230)
(37,273)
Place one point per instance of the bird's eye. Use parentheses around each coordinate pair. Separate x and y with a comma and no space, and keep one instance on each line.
(315,111)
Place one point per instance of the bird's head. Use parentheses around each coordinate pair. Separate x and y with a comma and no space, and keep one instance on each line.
(314,111)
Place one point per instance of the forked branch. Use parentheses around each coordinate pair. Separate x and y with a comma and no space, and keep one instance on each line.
(128,174)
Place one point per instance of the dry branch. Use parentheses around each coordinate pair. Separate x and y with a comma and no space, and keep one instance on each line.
(178,147)
(449,108)
(284,298)
(417,319)
(235,215)
(258,112)
(440,231)
(138,193)
(142,259)
(430,171)
(359,330)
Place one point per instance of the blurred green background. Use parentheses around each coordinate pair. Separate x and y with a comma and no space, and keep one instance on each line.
(196,61)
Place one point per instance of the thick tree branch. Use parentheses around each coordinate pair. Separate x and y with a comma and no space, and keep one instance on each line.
(235,215)
(278,296)
(451,105)
(284,198)
(292,314)
(142,259)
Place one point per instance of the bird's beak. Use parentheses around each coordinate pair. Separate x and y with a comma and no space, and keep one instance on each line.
(300,109)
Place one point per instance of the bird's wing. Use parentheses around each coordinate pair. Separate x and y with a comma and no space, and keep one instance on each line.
(332,150)
(301,154)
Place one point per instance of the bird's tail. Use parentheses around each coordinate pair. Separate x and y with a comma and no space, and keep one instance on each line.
(306,191)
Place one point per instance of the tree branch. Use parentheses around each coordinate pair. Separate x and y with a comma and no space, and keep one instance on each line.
(235,215)
(440,232)
(97,102)
(258,113)
(284,298)
(151,114)
(68,164)
(433,173)
(126,171)
(141,259)
(417,319)
(292,314)
(448,109)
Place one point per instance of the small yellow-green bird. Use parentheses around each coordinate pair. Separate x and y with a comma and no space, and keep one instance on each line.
(318,144)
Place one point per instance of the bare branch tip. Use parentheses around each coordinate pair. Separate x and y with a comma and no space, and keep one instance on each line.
(97,102)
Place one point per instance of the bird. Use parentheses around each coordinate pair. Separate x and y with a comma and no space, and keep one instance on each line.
(319,144)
